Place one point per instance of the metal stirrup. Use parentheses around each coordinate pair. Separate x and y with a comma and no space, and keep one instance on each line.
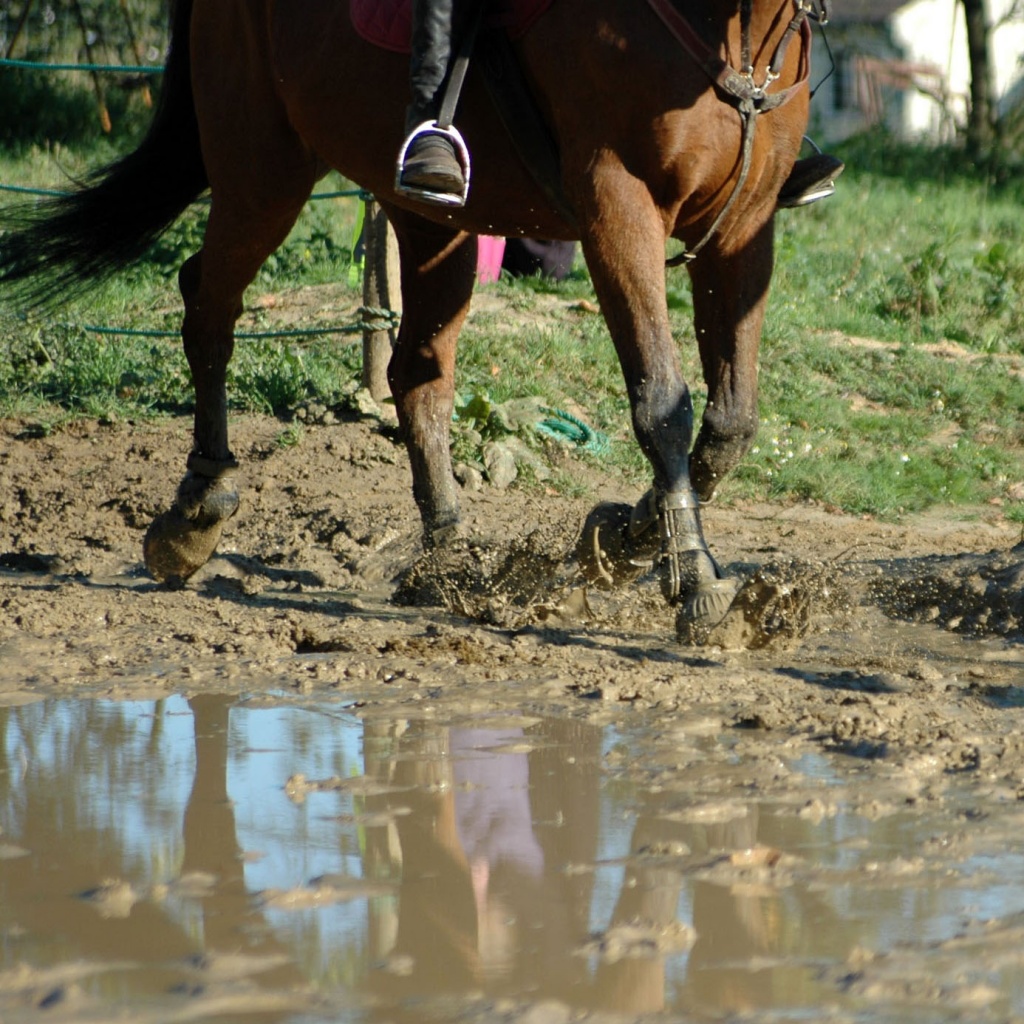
(443,126)
(454,136)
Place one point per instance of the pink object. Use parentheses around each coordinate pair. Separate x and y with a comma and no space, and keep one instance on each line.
(488,258)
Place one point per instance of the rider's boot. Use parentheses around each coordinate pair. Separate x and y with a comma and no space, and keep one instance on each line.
(811,179)
(431,163)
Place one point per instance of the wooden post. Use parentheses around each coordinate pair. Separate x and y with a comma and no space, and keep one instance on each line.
(133,39)
(381,291)
(97,84)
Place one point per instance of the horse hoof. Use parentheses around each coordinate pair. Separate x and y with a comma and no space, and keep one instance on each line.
(207,499)
(176,546)
(603,551)
(705,608)
(438,538)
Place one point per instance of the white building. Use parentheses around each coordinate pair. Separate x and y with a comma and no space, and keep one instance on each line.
(906,65)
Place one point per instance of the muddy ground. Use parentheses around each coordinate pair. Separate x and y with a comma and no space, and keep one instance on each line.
(318,561)
(894,644)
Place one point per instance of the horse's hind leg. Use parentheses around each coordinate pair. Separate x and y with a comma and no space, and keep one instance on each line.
(239,237)
(438,273)
(260,173)
(730,292)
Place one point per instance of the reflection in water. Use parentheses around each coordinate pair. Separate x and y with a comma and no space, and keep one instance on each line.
(152,856)
(494,833)
(483,900)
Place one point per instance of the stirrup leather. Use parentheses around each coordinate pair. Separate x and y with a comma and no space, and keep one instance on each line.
(454,136)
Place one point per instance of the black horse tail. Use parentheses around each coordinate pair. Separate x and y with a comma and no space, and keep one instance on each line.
(56,248)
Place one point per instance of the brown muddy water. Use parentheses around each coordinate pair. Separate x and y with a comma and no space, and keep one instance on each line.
(233,859)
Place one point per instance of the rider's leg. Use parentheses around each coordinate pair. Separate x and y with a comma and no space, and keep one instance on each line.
(430,161)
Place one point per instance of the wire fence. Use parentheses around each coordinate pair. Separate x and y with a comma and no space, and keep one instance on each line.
(117,69)
(371,318)
(348,193)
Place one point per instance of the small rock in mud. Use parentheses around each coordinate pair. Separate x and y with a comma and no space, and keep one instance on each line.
(500,464)
(756,857)
(639,939)
(112,897)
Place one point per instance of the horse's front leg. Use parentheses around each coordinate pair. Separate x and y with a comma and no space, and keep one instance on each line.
(624,243)
(438,273)
(730,292)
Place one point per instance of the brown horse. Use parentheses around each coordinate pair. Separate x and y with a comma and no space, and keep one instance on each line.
(262,97)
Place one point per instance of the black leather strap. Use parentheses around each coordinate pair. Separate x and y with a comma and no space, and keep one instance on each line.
(460,65)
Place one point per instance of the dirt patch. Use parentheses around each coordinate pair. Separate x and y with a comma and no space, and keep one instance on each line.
(914,624)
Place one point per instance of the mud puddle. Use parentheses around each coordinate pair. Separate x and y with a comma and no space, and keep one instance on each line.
(274,858)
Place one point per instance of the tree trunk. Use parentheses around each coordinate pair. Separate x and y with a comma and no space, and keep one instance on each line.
(980,117)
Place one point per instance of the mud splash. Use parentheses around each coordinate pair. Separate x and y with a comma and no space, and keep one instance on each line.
(974,594)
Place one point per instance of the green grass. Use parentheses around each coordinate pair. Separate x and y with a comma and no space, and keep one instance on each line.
(922,255)
(865,404)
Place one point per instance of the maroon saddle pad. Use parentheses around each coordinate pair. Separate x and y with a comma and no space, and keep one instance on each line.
(388,23)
